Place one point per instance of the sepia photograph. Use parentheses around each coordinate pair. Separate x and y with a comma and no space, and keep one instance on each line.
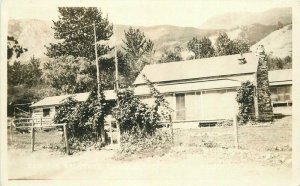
(147,92)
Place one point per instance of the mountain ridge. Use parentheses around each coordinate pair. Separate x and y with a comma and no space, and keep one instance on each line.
(237,19)
(34,34)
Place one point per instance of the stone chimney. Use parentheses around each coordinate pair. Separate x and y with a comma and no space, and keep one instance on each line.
(242,59)
(265,109)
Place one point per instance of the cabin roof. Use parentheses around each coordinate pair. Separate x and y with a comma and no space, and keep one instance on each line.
(56,100)
(199,68)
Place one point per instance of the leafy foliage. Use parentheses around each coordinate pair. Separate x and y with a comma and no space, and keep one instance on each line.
(133,115)
(75,29)
(28,74)
(161,105)
(69,74)
(136,44)
(265,109)
(14,48)
(138,51)
(245,99)
(276,63)
(225,46)
(85,119)
(202,48)
(171,56)
(144,145)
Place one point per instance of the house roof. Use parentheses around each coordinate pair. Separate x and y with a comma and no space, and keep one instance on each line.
(200,68)
(184,87)
(280,77)
(56,100)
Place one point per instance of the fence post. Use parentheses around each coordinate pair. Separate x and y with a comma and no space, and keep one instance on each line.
(111,134)
(171,129)
(32,136)
(11,130)
(235,128)
(66,139)
(119,133)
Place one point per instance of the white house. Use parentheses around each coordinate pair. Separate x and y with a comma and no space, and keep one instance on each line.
(281,91)
(202,89)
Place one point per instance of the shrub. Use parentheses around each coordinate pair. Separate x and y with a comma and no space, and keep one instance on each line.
(145,145)
(133,115)
(83,119)
(225,123)
(245,99)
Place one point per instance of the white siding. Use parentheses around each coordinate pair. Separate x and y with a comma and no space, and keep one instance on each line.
(219,104)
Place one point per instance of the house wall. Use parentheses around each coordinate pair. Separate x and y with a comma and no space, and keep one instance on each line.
(38,114)
(201,105)
(211,103)
(281,97)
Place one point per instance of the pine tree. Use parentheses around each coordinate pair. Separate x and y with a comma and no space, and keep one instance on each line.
(75,29)
(138,50)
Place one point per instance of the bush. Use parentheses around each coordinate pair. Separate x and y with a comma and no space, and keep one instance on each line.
(144,145)
(225,123)
(133,115)
(83,119)
(245,99)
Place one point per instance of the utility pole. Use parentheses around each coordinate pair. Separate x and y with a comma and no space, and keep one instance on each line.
(101,128)
(97,64)
(116,90)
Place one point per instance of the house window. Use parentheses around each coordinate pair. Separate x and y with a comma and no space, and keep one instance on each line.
(281,93)
(180,106)
(46,112)
(281,96)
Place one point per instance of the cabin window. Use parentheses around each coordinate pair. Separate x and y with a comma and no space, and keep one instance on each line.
(180,106)
(46,112)
(281,94)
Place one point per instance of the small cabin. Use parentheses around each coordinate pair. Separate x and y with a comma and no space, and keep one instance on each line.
(43,111)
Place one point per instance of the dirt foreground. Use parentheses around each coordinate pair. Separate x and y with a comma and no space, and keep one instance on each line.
(178,167)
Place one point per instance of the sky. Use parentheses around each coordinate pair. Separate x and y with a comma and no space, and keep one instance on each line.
(190,13)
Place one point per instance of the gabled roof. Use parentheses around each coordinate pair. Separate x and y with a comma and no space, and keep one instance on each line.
(280,77)
(56,100)
(199,68)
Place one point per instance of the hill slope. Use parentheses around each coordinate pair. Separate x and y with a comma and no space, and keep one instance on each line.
(278,43)
(233,20)
(32,34)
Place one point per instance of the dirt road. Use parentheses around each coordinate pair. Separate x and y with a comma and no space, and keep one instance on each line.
(189,169)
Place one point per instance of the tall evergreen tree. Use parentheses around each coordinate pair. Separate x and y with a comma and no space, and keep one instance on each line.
(75,30)
(224,46)
(138,50)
